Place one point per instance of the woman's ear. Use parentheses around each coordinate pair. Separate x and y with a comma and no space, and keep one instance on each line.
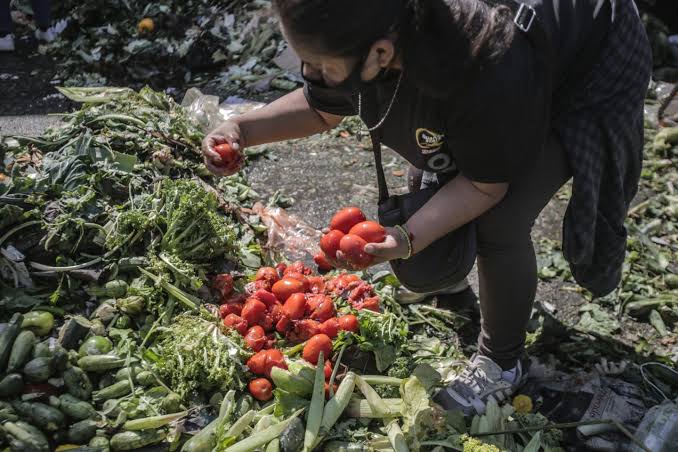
(381,55)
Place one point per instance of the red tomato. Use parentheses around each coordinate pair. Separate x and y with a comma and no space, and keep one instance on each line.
(266,297)
(261,389)
(299,277)
(298,267)
(327,390)
(230,158)
(295,306)
(329,243)
(315,345)
(286,287)
(360,292)
(369,231)
(343,282)
(321,261)
(353,248)
(223,283)
(283,324)
(254,312)
(316,284)
(275,313)
(324,310)
(349,322)
(230,308)
(303,330)
(280,268)
(274,358)
(371,304)
(346,218)
(330,327)
(328,369)
(256,338)
(236,322)
(267,274)
(257,363)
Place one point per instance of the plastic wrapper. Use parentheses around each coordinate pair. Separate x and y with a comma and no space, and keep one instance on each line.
(206,111)
(288,235)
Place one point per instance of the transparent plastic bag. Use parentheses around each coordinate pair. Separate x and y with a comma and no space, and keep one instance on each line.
(288,235)
(206,111)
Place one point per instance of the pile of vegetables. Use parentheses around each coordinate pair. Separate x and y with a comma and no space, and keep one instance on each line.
(137,309)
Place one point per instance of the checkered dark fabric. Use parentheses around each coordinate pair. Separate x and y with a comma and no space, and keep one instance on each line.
(601,128)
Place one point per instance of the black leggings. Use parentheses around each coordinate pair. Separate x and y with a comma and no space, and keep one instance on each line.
(41,15)
(507,267)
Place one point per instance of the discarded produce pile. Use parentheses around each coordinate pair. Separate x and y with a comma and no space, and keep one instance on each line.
(165,42)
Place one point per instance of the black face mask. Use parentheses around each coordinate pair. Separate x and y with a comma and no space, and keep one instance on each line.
(350,85)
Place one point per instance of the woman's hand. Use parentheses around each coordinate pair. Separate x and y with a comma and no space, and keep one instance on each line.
(226,133)
(393,247)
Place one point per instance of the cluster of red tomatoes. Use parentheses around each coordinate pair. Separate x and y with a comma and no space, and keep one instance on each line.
(293,302)
(349,233)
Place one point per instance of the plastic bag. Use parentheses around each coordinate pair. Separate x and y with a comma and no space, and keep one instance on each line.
(205,110)
(288,234)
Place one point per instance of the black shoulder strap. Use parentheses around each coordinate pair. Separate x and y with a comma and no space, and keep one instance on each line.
(525,19)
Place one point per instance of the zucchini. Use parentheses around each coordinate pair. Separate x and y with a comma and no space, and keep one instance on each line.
(30,438)
(119,389)
(73,331)
(40,322)
(146,378)
(136,440)
(7,413)
(21,350)
(171,403)
(127,372)
(11,385)
(95,345)
(83,431)
(100,363)
(7,338)
(204,440)
(112,289)
(77,383)
(75,408)
(44,416)
(38,370)
(98,328)
(111,408)
(59,358)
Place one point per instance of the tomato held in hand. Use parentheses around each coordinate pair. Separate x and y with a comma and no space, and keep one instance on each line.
(330,327)
(254,312)
(329,243)
(321,261)
(295,306)
(353,248)
(256,338)
(236,322)
(261,389)
(349,322)
(315,345)
(230,158)
(369,231)
(346,218)
(284,288)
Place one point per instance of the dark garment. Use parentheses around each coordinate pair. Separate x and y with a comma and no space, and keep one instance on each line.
(601,128)
(41,15)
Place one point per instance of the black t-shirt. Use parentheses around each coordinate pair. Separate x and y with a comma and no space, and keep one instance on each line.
(497,128)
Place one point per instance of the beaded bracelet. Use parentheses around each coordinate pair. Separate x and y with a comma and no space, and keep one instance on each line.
(404,233)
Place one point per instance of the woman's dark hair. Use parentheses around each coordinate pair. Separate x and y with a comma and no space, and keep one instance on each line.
(442,42)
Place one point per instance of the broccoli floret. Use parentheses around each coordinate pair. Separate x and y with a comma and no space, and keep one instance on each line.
(475,445)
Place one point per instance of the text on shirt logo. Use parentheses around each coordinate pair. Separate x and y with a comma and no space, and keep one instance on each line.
(428,140)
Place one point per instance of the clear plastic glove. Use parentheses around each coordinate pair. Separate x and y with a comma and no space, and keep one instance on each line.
(226,133)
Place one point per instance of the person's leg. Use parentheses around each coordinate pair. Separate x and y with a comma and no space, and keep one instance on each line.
(507,266)
(42,13)
(6,26)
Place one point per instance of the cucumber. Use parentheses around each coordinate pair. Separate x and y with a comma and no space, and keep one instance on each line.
(42,350)
(76,409)
(30,438)
(11,385)
(100,441)
(40,322)
(119,389)
(38,370)
(21,350)
(126,372)
(95,345)
(77,383)
(100,363)
(83,431)
(136,440)
(7,338)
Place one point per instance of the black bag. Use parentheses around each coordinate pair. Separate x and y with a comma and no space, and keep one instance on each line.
(442,264)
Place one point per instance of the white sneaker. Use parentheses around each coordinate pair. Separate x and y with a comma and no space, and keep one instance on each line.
(7,43)
(483,379)
(48,35)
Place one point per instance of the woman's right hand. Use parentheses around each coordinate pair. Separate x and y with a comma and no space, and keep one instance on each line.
(226,133)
